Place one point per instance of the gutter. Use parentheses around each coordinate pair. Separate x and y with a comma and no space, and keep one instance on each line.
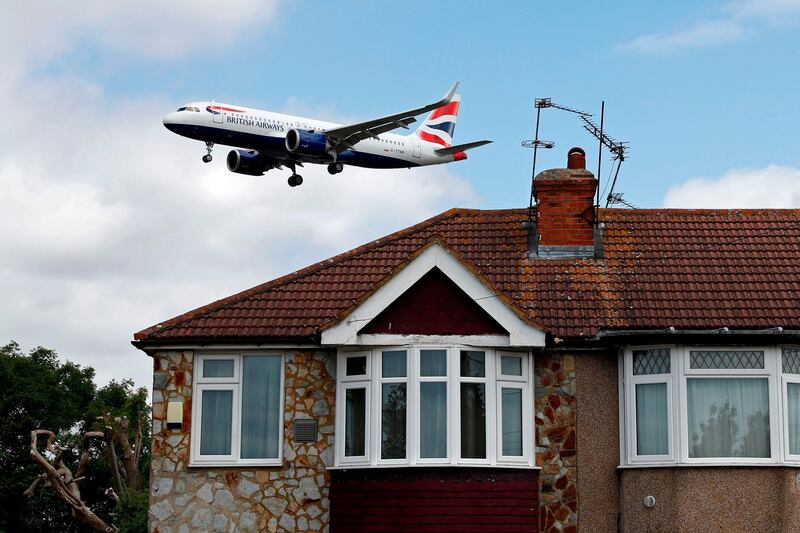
(716,331)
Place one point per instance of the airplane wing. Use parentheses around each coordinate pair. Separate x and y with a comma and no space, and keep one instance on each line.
(347,136)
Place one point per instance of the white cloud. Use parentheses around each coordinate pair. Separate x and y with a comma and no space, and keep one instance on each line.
(771,187)
(110,223)
(34,33)
(704,34)
(738,20)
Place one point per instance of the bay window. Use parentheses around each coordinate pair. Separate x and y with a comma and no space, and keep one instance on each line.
(237,409)
(701,405)
(434,405)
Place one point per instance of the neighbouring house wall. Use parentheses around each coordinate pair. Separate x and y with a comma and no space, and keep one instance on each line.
(598,441)
(752,499)
(556,441)
(293,497)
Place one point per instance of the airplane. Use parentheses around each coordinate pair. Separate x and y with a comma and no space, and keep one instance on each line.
(265,140)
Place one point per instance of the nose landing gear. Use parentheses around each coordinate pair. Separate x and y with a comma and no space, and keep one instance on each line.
(335,168)
(295,180)
(207,158)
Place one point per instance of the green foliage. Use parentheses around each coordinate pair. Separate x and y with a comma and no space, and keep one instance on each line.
(39,392)
(132,511)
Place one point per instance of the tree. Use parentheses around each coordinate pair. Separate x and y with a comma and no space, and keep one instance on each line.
(101,435)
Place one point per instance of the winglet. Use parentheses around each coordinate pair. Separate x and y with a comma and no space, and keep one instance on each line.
(449,96)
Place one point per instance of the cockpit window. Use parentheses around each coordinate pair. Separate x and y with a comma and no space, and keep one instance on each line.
(181,109)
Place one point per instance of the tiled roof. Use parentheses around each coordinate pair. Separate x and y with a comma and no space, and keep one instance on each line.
(689,269)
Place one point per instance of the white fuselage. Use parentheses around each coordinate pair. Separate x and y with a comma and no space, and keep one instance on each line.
(265,132)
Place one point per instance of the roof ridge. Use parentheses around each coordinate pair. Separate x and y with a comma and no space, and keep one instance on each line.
(299,274)
(690,211)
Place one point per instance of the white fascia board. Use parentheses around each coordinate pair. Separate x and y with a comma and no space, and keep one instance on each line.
(346,331)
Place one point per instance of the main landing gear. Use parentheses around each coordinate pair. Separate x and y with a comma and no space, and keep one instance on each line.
(335,168)
(295,179)
(207,158)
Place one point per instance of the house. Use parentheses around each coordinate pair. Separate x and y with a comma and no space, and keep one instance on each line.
(497,370)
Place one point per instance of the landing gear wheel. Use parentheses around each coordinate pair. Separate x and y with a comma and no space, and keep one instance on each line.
(295,180)
(207,158)
(335,168)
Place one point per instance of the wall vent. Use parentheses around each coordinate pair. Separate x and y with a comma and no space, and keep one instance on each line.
(305,430)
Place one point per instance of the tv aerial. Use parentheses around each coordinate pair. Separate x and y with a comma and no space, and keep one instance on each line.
(618,149)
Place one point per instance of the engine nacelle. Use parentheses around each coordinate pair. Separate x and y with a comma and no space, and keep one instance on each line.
(247,162)
(307,142)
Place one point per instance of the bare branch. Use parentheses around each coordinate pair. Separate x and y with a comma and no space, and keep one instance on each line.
(61,482)
(41,478)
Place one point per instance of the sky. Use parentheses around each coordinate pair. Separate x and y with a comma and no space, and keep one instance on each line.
(110,223)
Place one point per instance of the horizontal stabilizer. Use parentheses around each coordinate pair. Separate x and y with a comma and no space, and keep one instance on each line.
(460,147)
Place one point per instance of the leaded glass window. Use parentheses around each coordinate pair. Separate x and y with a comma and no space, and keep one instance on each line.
(653,361)
(726,359)
(791,361)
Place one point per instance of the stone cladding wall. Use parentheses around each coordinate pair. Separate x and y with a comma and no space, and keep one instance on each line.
(556,442)
(292,497)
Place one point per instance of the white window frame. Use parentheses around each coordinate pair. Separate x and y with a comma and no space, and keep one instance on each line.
(419,379)
(677,401)
(201,384)
(786,378)
(768,372)
(381,381)
(374,380)
(630,402)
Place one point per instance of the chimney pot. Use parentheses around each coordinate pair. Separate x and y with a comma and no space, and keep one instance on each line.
(576,158)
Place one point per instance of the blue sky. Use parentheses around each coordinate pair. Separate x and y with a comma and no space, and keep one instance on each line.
(688,110)
(111,224)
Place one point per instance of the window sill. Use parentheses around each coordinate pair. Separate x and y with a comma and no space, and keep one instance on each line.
(217,464)
(435,465)
(708,465)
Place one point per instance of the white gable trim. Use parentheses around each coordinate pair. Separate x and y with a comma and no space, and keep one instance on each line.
(346,331)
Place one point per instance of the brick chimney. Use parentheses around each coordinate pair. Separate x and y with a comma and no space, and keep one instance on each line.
(565,209)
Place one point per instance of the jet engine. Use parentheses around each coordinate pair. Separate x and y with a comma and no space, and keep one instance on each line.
(247,162)
(306,142)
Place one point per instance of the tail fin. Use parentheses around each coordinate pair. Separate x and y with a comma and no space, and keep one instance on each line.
(441,124)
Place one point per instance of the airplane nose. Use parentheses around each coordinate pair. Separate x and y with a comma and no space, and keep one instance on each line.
(171,121)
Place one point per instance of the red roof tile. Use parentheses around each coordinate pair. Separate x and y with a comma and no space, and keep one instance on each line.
(689,269)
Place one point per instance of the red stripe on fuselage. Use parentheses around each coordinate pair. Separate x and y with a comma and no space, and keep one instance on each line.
(449,109)
(222,108)
(425,136)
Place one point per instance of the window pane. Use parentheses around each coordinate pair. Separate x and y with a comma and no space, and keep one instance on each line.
(261,406)
(433,419)
(393,424)
(218,368)
(356,366)
(216,413)
(791,361)
(394,364)
(793,408)
(433,362)
(726,360)
(473,364)
(355,419)
(652,425)
(473,420)
(510,366)
(655,361)
(512,422)
(728,417)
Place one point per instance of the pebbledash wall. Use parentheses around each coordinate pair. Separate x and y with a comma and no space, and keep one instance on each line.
(292,497)
(295,496)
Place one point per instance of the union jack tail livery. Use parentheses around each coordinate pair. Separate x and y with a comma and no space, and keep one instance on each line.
(441,124)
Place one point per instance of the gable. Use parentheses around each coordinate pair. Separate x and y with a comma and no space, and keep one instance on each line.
(348,329)
(434,305)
